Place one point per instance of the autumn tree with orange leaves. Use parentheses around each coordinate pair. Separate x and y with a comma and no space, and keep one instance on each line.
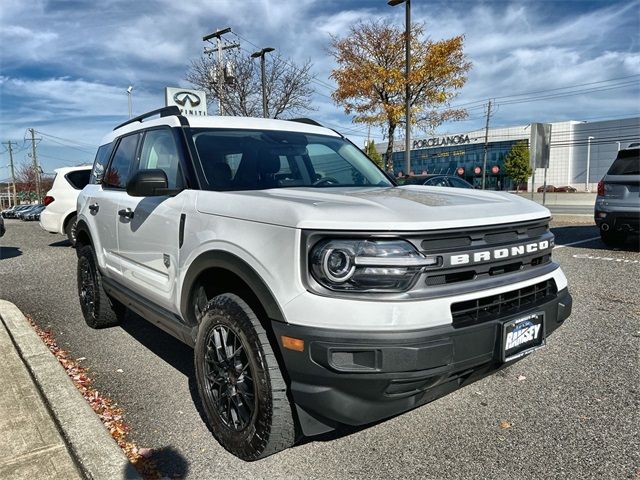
(371,79)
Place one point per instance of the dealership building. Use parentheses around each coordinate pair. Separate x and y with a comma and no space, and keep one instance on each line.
(580,152)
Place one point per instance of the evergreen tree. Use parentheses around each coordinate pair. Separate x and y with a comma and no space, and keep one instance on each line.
(516,163)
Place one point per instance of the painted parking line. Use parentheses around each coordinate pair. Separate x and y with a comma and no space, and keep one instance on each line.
(605,259)
(578,242)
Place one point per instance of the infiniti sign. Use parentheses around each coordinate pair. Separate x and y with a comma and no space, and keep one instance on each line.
(190,102)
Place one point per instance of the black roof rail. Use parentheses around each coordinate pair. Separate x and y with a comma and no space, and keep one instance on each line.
(308,121)
(163,112)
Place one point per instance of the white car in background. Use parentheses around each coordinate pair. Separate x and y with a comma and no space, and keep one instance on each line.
(59,216)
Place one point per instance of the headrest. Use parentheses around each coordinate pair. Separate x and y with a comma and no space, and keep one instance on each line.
(269,163)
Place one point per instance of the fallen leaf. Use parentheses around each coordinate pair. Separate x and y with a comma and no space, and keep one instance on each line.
(119,370)
(521,378)
(80,359)
(504,424)
(145,452)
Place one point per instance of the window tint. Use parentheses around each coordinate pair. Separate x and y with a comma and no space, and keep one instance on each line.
(459,183)
(159,151)
(627,163)
(118,172)
(100,163)
(437,182)
(255,159)
(78,179)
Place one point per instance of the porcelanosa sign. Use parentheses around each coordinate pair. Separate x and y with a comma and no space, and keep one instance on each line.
(441,141)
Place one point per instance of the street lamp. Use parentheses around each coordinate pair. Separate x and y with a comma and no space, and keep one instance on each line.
(407,70)
(586,182)
(261,53)
(129,90)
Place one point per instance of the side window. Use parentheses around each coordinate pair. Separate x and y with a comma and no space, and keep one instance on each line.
(159,151)
(456,182)
(437,182)
(78,179)
(100,163)
(117,174)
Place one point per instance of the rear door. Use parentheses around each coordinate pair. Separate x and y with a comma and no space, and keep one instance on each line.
(149,240)
(103,203)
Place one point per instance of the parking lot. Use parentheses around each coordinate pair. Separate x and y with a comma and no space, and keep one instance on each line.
(571,410)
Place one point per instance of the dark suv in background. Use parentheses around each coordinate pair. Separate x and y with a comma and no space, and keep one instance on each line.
(617,209)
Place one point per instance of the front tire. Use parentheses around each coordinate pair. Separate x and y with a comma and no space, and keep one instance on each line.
(98,309)
(243,392)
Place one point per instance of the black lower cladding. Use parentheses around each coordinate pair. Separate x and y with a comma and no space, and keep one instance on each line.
(355,378)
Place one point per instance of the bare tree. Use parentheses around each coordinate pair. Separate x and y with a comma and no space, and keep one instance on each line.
(288,87)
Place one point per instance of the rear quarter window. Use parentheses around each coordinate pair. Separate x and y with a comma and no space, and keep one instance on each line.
(627,163)
(78,179)
(100,163)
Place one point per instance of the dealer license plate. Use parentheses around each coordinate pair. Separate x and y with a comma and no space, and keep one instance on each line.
(522,336)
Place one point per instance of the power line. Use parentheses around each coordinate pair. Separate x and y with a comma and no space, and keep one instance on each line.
(73,142)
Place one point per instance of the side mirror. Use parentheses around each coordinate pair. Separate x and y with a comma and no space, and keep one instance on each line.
(148,183)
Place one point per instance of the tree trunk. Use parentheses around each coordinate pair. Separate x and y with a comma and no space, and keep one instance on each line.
(388,156)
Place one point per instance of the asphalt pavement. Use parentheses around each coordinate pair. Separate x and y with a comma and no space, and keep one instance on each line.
(572,408)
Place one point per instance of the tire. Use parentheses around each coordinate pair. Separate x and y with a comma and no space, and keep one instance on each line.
(257,421)
(612,239)
(98,309)
(70,230)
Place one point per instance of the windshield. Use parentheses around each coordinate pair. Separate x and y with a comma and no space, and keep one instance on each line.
(259,159)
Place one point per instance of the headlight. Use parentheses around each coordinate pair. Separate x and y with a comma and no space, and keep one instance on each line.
(367,265)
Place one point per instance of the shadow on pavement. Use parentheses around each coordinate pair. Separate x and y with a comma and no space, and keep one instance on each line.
(9,252)
(61,243)
(170,462)
(577,233)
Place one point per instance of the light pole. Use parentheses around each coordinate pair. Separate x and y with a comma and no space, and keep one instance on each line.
(129,90)
(407,70)
(586,182)
(261,53)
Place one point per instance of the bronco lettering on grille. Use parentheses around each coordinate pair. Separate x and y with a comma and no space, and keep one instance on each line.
(499,253)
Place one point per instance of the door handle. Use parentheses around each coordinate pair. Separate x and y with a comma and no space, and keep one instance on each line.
(93,208)
(126,213)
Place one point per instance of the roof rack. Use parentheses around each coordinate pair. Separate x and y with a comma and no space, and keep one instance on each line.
(163,112)
(308,121)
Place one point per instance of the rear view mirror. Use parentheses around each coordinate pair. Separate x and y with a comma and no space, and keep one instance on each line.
(148,183)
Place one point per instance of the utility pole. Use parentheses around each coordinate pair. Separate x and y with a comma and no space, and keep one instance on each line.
(36,168)
(13,172)
(486,147)
(261,54)
(219,49)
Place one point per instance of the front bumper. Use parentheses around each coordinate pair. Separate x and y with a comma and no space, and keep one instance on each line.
(356,377)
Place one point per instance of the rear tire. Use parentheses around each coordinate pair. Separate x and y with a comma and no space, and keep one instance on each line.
(70,230)
(612,239)
(98,309)
(243,392)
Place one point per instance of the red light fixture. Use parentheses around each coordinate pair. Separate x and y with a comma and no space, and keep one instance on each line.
(601,188)
(48,200)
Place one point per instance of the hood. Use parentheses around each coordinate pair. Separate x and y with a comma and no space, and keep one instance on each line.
(406,208)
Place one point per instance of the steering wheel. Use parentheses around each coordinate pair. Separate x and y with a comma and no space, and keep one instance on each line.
(326,180)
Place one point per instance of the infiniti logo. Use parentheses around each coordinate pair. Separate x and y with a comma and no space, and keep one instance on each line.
(181,98)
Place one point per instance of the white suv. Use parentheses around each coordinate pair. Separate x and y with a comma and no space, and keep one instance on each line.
(314,291)
(59,215)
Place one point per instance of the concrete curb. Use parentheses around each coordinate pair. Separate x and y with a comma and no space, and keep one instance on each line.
(97,455)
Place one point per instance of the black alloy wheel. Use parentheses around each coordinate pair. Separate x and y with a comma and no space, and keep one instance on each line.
(243,392)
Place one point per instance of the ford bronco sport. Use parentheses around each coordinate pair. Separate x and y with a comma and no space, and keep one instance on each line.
(314,291)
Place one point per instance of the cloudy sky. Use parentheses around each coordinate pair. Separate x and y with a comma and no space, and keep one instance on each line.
(65,64)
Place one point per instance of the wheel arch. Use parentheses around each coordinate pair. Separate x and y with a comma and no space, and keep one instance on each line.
(67,218)
(83,236)
(217,270)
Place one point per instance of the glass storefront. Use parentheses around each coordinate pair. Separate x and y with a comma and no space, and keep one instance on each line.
(448,159)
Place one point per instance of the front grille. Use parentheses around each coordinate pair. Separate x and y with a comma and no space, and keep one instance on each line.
(508,303)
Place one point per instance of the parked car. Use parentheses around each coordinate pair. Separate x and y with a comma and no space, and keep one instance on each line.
(12,212)
(22,214)
(549,188)
(617,207)
(566,189)
(435,180)
(314,291)
(33,213)
(59,215)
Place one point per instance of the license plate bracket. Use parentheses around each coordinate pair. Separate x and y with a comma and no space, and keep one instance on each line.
(522,336)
